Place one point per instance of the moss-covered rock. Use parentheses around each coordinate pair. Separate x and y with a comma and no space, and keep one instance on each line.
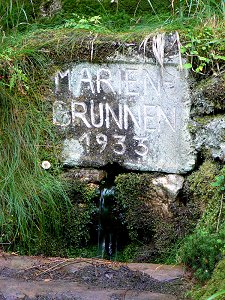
(151,216)
(208,96)
(207,197)
(77,226)
(200,184)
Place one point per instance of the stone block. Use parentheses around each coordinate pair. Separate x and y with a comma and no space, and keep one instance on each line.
(134,113)
(172,184)
(85,175)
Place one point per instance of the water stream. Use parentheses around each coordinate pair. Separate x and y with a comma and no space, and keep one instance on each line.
(107,224)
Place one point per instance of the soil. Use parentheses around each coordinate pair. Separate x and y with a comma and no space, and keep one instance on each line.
(90,274)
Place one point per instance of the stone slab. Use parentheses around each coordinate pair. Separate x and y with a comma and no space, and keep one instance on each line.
(133,114)
(85,175)
(156,271)
(12,288)
(160,272)
(16,289)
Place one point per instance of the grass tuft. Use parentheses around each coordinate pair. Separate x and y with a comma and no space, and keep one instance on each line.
(31,198)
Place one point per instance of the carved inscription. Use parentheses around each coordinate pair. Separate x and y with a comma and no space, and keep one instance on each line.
(149,116)
(125,111)
(119,142)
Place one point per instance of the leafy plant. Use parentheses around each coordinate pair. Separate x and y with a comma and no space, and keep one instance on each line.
(205,247)
(78,22)
(219,183)
(204,50)
(214,288)
(201,251)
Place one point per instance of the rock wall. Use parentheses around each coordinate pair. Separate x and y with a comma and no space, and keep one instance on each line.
(135,108)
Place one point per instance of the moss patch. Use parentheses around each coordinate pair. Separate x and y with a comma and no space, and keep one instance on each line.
(156,231)
(200,182)
(208,97)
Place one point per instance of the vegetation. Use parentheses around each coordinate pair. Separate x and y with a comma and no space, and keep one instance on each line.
(206,245)
(37,205)
(159,230)
(31,198)
(214,289)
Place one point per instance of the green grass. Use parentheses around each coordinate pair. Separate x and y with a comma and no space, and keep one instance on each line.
(31,199)
(23,14)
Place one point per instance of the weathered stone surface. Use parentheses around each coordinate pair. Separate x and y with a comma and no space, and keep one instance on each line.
(208,97)
(13,285)
(172,184)
(159,272)
(163,192)
(86,175)
(210,136)
(67,290)
(132,114)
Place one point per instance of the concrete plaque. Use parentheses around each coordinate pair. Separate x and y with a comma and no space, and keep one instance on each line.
(133,114)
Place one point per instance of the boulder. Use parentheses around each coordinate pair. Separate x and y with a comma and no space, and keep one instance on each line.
(208,97)
(170,184)
(210,135)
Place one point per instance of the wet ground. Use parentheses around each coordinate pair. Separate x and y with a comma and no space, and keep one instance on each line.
(23,277)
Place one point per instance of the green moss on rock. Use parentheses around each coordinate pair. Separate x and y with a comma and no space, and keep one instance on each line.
(151,219)
(200,184)
(76,227)
(131,190)
(208,97)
